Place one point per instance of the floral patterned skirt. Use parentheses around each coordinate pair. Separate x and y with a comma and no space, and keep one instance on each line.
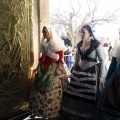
(47,104)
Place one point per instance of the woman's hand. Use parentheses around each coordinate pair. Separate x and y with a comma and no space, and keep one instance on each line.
(100,80)
(35,71)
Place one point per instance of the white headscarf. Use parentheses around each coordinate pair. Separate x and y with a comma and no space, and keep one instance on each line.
(56,43)
(116,51)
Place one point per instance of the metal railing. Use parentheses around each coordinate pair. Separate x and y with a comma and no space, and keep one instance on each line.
(69,60)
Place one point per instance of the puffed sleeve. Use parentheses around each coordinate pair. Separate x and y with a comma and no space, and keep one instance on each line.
(61,56)
(77,56)
(100,55)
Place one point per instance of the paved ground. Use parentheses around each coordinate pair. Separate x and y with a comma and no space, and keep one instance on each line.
(38,118)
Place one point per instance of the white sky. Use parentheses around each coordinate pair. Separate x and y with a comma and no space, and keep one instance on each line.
(108,30)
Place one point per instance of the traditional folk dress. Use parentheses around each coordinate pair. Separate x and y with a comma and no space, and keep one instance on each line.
(79,98)
(109,103)
(46,95)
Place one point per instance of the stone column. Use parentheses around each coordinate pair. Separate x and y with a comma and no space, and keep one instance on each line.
(40,18)
(43,14)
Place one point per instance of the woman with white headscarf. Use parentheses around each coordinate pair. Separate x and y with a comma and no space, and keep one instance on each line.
(109,103)
(46,94)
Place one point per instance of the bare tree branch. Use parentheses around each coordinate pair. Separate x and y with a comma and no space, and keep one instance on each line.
(75,19)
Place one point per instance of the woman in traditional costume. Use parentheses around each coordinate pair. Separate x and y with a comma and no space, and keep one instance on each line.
(46,95)
(109,103)
(80,96)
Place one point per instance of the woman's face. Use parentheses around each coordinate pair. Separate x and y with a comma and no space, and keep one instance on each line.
(85,35)
(46,33)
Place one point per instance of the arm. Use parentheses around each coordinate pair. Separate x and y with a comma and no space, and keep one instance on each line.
(100,55)
(77,57)
(60,61)
(61,56)
(41,59)
(112,67)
